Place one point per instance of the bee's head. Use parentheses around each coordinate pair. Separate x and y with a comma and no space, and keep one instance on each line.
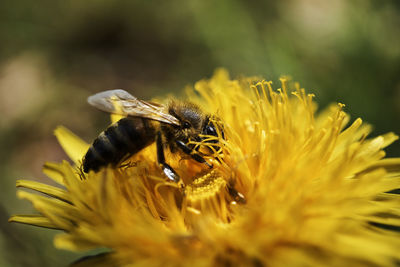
(191,120)
(195,126)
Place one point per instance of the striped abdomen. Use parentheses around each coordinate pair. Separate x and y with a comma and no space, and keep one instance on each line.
(127,136)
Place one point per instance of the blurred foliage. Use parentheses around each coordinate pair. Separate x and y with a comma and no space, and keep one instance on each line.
(53,54)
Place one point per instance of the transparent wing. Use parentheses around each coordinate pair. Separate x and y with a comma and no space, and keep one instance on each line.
(121,102)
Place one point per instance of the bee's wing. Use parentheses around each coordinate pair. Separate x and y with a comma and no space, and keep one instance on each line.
(121,102)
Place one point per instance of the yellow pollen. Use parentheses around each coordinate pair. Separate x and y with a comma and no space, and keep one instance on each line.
(205,187)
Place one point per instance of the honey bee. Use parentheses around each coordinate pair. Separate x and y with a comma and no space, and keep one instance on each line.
(173,125)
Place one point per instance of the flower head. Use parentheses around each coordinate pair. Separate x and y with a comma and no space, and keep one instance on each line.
(288,187)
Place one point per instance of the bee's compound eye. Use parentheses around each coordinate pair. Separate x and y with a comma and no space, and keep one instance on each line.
(186,125)
(210,130)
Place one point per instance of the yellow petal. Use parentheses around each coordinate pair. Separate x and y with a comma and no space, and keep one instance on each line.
(45,189)
(393,221)
(389,138)
(54,171)
(59,213)
(72,144)
(36,220)
(73,243)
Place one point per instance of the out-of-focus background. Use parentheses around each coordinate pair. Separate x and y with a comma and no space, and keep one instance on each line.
(53,54)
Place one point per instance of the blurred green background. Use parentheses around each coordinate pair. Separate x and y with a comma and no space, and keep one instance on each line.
(53,54)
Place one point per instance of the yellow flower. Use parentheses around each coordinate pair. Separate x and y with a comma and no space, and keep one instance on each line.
(293,188)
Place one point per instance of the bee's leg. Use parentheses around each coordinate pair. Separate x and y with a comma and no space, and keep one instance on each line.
(168,171)
(237,196)
(189,151)
(125,158)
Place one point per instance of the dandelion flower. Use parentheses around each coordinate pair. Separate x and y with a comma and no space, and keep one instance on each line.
(293,188)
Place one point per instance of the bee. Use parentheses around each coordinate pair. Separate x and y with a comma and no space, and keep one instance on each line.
(173,125)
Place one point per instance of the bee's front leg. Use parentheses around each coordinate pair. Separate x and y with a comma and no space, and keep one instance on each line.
(168,171)
(192,153)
